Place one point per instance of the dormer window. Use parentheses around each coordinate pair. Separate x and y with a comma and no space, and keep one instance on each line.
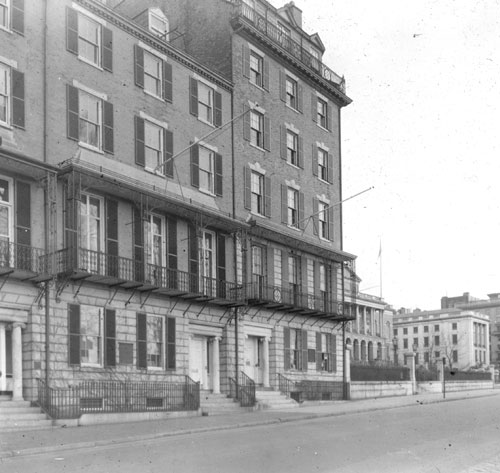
(158,23)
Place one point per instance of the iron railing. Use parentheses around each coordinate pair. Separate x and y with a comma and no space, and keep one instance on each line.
(380,371)
(116,397)
(285,385)
(243,391)
(297,50)
(318,390)
(22,257)
(101,264)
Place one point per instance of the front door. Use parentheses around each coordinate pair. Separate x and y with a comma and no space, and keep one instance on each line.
(253,365)
(198,361)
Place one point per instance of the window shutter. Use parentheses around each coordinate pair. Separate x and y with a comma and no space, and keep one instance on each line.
(171,351)
(73,111)
(315,216)
(314,107)
(139,66)
(221,260)
(218,174)
(284,204)
(18,113)
(168,151)
(265,74)
(172,243)
(282,86)
(218,109)
(283,142)
(300,152)
(246,122)
(332,365)
(23,216)
(300,97)
(246,61)
(108,119)
(267,196)
(193,258)
(330,223)
(142,341)
(107,49)
(329,120)
(193,96)
(314,159)
(301,211)
(168,94)
(71,217)
(304,350)
(74,334)
(330,167)
(17,20)
(112,236)
(195,166)
(247,196)
(138,232)
(110,337)
(267,134)
(71,30)
(140,146)
(286,344)
(318,351)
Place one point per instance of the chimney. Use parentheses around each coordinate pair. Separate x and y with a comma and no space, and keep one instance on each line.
(294,11)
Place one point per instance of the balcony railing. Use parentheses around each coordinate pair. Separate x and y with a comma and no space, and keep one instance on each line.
(290,296)
(119,270)
(243,391)
(22,258)
(297,50)
(115,396)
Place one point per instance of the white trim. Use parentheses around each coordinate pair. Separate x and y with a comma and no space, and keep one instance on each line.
(8,62)
(322,97)
(256,50)
(82,10)
(292,76)
(205,81)
(149,118)
(255,107)
(291,127)
(322,146)
(257,168)
(206,145)
(153,51)
(90,91)
(90,147)
(292,184)
(204,330)
(323,198)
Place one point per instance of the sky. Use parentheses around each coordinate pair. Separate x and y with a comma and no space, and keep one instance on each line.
(422,130)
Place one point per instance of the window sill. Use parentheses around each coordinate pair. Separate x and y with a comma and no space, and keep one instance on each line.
(204,191)
(297,229)
(296,110)
(260,87)
(322,127)
(6,126)
(206,122)
(7,30)
(90,63)
(253,212)
(253,145)
(151,94)
(152,171)
(295,166)
(90,147)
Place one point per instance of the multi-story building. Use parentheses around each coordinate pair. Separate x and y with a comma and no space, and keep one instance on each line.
(168,209)
(459,336)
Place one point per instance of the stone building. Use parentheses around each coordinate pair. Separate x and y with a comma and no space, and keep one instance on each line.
(170,196)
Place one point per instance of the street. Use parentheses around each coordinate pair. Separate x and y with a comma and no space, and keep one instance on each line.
(456,436)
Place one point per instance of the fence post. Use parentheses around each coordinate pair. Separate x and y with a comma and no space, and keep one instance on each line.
(413,378)
(492,371)
(441,365)
(347,371)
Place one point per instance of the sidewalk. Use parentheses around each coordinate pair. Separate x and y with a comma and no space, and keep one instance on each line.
(58,439)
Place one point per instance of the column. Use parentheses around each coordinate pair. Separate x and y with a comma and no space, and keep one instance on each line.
(3,359)
(347,372)
(410,357)
(265,362)
(215,366)
(17,362)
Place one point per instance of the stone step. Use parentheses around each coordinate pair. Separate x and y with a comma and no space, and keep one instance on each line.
(21,424)
(8,403)
(36,415)
(18,410)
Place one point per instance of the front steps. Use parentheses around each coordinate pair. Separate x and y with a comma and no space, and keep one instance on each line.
(270,399)
(219,404)
(19,415)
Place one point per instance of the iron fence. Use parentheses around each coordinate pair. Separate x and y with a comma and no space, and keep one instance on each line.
(379,372)
(317,390)
(243,391)
(116,397)
(22,257)
(285,385)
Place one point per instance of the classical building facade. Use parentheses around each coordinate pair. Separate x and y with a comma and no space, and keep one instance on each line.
(170,201)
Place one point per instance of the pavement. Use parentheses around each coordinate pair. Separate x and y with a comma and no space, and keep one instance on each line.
(59,438)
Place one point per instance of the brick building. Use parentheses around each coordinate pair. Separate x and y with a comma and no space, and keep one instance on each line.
(170,201)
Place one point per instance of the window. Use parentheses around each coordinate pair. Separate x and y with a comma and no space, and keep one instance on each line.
(205,102)
(11,97)
(405,343)
(323,220)
(6,222)
(257,192)
(256,129)
(91,233)
(455,356)
(324,347)
(415,329)
(155,246)
(395,331)
(153,74)
(12,15)
(86,325)
(158,23)
(284,35)
(323,286)
(206,169)
(90,119)
(293,207)
(436,328)
(314,58)
(291,87)
(150,335)
(426,341)
(257,196)
(293,278)
(153,146)
(323,165)
(295,349)
(454,326)
(4,14)
(91,41)
(454,339)
(256,69)
(436,340)
(258,270)
(322,113)
(405,331)
(426,357)
(292,148)
(426,329)
(437,354)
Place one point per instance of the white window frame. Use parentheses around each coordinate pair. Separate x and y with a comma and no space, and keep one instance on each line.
(295,348)
(323,219)
(83,41)
(85,223)
(206,105)
(323,164)
(256,73)
(98,124)
(257,133)
(206,169)
(7,206)
(257,192)
(6,9)
(292,148)
(291,92)
(151,163)
(153,15)
(150,76)
(88,312)
(150,239)
(322,113)
(292,207)
(5,70)
(150,341)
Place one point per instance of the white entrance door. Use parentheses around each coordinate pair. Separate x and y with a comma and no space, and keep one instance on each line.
(253,365)
(198,362)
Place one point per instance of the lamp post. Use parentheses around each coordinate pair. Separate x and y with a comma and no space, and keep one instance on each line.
(395,346)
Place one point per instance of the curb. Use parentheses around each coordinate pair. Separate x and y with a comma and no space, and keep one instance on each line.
(140,438)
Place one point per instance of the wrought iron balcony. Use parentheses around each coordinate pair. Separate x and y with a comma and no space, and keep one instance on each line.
(108,269)
(291,299)
(246,15)
(23,262)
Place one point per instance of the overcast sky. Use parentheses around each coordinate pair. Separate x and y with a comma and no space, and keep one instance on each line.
(423,131)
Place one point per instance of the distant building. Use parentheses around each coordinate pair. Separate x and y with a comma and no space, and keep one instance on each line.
(461,336)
